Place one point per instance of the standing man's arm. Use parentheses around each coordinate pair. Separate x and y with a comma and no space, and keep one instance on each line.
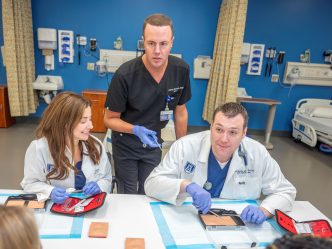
(113,121)
(181,120)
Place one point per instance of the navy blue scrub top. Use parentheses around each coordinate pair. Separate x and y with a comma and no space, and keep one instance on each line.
(216,175)
(80,179)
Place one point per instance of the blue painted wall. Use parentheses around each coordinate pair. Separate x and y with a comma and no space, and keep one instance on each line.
(194,26)
(292,26)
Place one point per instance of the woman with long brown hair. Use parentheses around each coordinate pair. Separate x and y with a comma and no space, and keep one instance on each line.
(65,154)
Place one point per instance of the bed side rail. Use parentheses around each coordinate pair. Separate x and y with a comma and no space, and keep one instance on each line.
(313,102)
(304,133)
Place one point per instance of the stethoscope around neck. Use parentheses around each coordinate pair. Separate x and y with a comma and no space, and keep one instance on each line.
(241,153)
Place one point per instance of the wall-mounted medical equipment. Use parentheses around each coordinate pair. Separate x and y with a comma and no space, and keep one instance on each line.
(328,56)
(80,41)
(66,42)
(305,57)
(47,86)
(293,75)
(140,48)
(202,67)
(93,44)
(140,45)
(118,43)
(115,58)
(270,53)
(308,74)
(245,52)
(255,59)
(47,42)
(281,56)
(100,68)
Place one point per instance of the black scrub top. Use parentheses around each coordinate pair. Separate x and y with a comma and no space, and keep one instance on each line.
(140,99)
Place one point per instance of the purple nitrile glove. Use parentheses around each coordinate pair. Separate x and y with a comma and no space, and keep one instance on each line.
(146,136)
(253,214)
(91,188)
(59,195)
(201,198)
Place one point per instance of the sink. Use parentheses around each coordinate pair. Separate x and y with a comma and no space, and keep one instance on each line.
(48,83)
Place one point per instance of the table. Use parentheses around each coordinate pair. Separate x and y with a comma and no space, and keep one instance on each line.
(272,109)
(131,216)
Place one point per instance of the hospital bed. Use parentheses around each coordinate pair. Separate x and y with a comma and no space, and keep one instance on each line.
(312,121)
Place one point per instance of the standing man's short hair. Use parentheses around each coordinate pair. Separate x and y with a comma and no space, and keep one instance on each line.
(230,110)
(158,20)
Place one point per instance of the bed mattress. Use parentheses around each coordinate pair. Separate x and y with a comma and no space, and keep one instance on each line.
(319,124)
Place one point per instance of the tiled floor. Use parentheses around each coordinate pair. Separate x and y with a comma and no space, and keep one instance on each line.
(308,169)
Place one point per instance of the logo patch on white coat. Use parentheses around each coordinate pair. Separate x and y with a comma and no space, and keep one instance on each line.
(49,167)
(189,168)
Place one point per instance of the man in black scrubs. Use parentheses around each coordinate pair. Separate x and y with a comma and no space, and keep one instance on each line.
(144,94)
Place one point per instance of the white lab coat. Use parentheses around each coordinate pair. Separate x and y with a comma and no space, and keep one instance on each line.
(38,162)
(263,174)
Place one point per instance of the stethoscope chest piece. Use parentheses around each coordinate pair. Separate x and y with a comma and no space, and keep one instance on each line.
(207,185)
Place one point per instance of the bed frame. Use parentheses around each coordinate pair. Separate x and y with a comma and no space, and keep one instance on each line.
(306,133)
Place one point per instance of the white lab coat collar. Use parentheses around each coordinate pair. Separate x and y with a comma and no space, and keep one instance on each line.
(236,163)
(205,149)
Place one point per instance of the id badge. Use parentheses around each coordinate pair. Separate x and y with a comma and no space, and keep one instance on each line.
(166,115)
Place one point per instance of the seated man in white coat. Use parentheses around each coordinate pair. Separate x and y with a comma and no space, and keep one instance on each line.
(222,163)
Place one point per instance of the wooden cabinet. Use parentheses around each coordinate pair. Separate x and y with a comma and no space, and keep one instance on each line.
(5,119)
(97,99)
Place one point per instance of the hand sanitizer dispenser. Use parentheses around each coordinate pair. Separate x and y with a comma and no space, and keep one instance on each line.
(47,42)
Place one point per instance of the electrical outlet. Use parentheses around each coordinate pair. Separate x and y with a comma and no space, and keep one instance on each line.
(90,66)
(274,78)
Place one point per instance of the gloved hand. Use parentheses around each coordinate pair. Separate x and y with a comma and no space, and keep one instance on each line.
(146,136)
(201,198)
(253,214)
(59,195)
(91,188)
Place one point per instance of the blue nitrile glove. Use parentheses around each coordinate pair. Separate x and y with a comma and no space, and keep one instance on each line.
(146,136)
(253,214)
(59,195)
(201,198)
(91,188)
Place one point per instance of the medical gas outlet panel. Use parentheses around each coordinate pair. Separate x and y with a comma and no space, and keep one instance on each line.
(308,74)
(111,60)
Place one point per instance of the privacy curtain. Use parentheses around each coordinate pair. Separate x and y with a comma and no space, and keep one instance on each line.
(19,56)
(225,69)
